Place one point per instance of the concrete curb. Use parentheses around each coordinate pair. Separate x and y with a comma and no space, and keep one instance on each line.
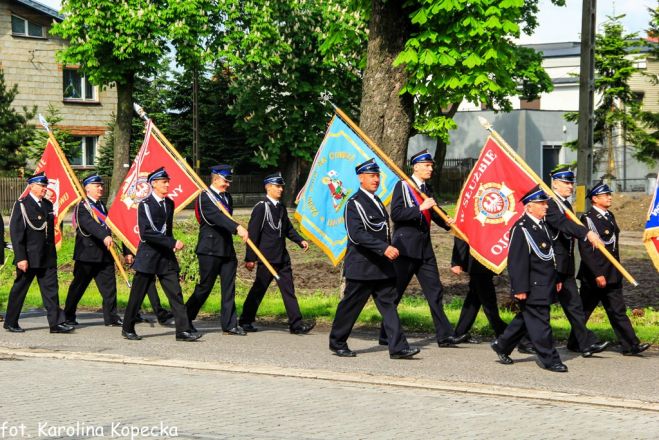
(334,376)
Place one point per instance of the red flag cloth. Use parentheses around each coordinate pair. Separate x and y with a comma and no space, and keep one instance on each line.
(489,204)
(153,154)
(61,189)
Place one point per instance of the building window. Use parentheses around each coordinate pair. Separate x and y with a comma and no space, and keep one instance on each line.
(76,87)
(25,28)
(85,157)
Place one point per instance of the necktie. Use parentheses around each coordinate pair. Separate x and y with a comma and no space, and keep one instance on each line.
(379,203)
(423,188)
(162,205)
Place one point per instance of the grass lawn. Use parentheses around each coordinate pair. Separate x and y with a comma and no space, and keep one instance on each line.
(316,302)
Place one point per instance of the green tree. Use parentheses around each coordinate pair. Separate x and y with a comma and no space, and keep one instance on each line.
(648,148)
(618,111)
(69,143)
(114,42)
(15,132)
(272,56)
(426,56)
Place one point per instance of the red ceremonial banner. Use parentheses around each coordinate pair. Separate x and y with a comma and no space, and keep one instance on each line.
(61,189)
(489,204)
(153,154)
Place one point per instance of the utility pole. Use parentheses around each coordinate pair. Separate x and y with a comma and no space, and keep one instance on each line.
(195,120)
(586,103)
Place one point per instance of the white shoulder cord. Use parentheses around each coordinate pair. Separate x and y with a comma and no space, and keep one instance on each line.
(27,221)
(407,198)
(75,212)
(268,217)
(592,227)
(536,250)
(201,211)
(162,230)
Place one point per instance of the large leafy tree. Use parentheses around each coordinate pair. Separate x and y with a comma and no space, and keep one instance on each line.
(651,119)
(271,53)
(114,42)
(426,56)
(618,111)
(15,132)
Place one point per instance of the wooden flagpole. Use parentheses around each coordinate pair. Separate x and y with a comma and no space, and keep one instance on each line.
(202,185)
(81,190)
(521,162)
(396,169)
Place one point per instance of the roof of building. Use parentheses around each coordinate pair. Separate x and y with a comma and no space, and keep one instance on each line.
(573,48)
(41,8)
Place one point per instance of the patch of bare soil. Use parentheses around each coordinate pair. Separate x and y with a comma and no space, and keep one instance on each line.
(631,210)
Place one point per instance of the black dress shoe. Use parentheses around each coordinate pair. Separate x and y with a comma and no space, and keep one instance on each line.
(504,358)
(526,349)
(304,328)
(139,319)
(165,318)
(383,342)
(118,322)
(249,328)
(187,336)
(558,367)
(61,328)
(636,349)
(598,347)
(71,322)
(236,331)
(343,352)
(13,328)
(131,336)
(405,353)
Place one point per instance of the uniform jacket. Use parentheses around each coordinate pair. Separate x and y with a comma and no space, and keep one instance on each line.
(368,238)
(37,247)
(529,272)
(215,228)
(411,230)
(271,241)
(89,247)
(155,253)
(563,231)
(593,262)
(461,257)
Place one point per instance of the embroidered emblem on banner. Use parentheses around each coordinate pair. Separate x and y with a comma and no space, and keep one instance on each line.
(494,203)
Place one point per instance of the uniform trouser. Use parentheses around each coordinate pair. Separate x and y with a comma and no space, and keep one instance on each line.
(354,299)
(47,279)
(428,275)
(209,269)
(533,319)
(574,312)
(614,305)
(481,293)
(170,284)
(260,286)
(152,293)
(105,277)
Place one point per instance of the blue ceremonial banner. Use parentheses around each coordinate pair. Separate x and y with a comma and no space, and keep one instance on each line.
(332,181)
(651,234)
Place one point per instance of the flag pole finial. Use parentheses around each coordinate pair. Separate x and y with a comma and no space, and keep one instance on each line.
(326,98)
(485,123)
(43,122)
(140,111)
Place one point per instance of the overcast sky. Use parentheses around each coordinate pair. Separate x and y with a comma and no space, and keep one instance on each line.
(564,24)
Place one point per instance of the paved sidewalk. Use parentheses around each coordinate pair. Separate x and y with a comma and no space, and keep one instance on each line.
(52,398)
(608,375)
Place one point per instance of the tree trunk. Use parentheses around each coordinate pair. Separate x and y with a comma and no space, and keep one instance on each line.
(386,116)
(122,130)
(291,174)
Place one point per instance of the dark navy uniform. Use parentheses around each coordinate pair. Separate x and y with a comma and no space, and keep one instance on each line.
(217,257)
(594,264)
(2,240)
(269,227)
(417,257)
(32,231)
(155,257)
(481,291)
(93,261)
(564,231)
(368,273)
(532,270)
(162,314)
